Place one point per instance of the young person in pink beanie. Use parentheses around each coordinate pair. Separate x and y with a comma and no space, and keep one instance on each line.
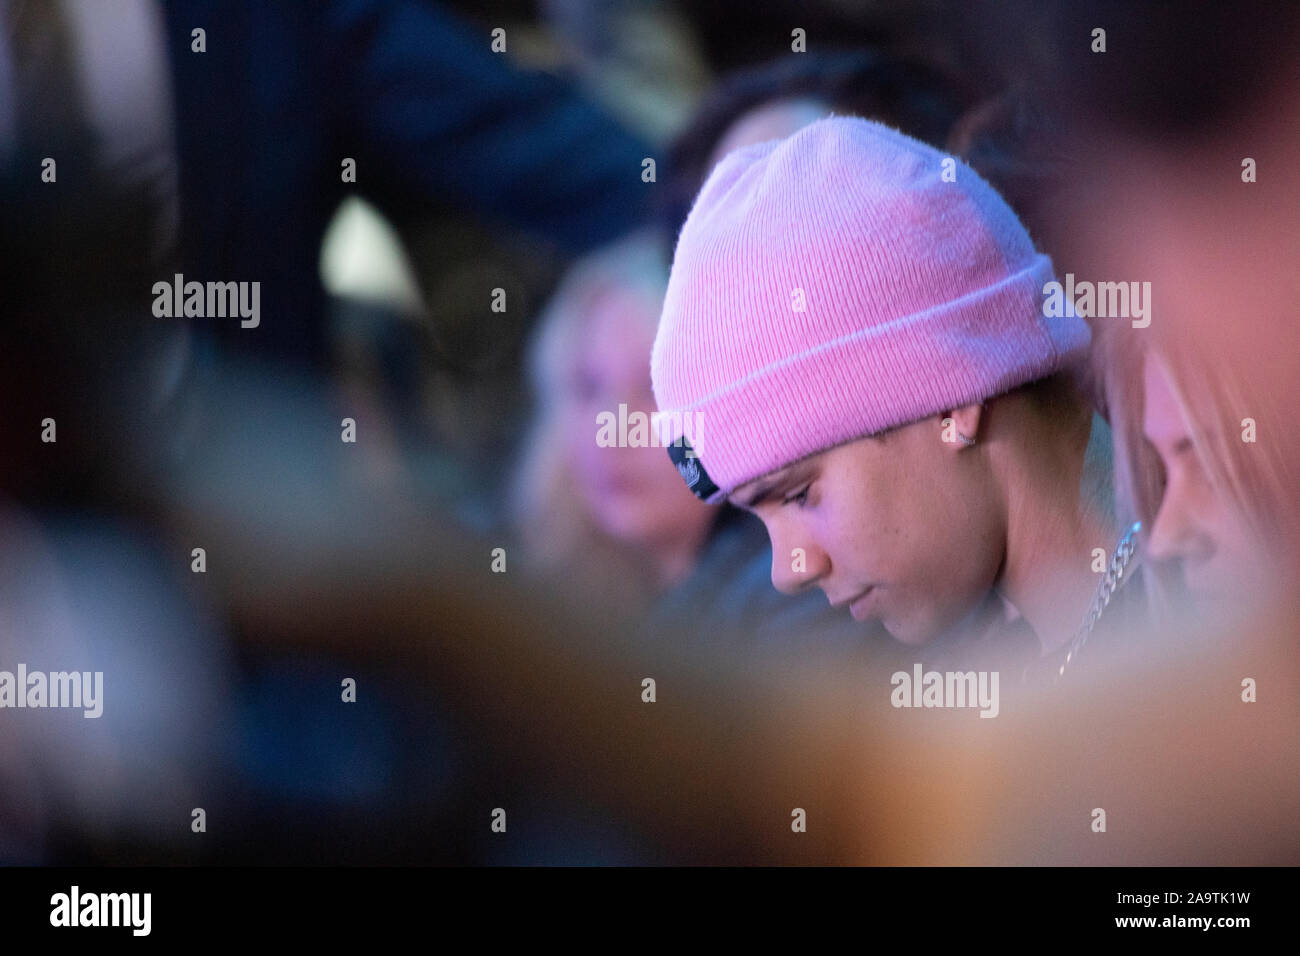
(853,346)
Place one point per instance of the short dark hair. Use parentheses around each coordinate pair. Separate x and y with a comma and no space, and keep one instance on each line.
(906,93)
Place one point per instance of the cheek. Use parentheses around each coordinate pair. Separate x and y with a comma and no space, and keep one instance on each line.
(850,530)
(889,505)
(579,438)
(943,540)
(1232,540)
(1191,494)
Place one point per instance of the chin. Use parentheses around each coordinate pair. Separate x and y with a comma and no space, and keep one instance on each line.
(1216,610)
(910,638)
(900,632)
(913,633)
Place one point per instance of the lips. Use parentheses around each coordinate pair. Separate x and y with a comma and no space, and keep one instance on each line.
(860,606)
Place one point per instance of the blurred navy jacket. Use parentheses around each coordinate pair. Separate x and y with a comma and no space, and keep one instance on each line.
(431,115)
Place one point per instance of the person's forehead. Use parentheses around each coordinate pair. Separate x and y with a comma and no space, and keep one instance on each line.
(855,450)
(762,481)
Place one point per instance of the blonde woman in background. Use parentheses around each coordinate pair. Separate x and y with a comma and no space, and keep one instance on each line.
(617,519)
(1202,401)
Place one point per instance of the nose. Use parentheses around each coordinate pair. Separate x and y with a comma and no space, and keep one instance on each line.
(1177,534)
(796,565)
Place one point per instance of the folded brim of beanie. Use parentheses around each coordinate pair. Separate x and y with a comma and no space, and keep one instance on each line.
(876,378)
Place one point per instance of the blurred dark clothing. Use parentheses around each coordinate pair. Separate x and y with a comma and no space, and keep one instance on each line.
(431,115)
(261,123)
(263,120)
(382,779)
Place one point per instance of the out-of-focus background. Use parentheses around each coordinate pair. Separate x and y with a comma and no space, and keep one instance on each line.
(461,217)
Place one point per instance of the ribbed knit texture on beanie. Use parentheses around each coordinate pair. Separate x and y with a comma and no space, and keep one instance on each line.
(918,295)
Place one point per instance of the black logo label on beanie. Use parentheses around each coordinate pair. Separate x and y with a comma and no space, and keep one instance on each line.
(691,469)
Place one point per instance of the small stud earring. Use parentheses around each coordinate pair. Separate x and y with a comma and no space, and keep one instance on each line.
(966,440)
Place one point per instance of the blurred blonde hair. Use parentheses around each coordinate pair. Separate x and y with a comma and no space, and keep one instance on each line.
(556,530)
(1220,377)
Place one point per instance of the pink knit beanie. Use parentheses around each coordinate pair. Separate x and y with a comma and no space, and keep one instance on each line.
(832,285)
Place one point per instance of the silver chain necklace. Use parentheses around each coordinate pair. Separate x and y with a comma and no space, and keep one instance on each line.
(1119,562)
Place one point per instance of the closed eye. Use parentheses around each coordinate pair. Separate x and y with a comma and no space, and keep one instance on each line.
(799,497)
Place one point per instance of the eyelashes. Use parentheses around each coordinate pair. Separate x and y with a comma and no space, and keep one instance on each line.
(799,497)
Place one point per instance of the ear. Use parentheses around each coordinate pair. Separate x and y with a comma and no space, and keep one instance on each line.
(961,426)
